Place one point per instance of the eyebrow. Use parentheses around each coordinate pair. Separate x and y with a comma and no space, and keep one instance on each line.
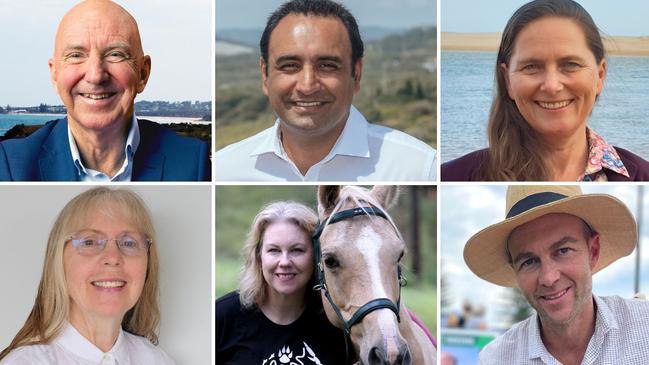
(562,59)
(525,255)
(78,47)
(286,58)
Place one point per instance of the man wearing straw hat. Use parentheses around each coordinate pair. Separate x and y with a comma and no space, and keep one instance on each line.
(554,238)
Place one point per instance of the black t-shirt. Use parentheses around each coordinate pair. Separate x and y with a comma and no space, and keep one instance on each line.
(248,337)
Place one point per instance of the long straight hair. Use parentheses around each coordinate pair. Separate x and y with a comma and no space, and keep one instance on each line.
(513,146)
(52,305)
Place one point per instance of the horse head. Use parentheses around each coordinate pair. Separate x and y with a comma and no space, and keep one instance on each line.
(359,270)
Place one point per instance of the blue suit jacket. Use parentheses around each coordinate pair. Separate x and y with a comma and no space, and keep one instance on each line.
(161,155)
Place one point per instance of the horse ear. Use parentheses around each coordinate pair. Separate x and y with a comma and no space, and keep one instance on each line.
(386,195)
(327,198)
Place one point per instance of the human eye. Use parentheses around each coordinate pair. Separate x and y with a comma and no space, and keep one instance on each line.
(329,66)
(531,68)
(74,57)
(85,242)
(128,242)
(571,66)
(563,251)
(116,56)
(527,263)
(289,66)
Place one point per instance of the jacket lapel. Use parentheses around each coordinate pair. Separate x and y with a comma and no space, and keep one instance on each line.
(55,161)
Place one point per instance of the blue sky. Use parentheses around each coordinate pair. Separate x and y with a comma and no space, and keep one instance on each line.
(624,17)
(466,210)
(176,34)
(386,13)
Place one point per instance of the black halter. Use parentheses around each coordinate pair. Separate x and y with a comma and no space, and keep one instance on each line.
(368,307)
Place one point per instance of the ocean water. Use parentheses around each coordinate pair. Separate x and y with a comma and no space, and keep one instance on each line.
(7,121)
(621,115)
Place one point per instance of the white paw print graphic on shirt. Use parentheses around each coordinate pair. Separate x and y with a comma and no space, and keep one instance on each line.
(285,355)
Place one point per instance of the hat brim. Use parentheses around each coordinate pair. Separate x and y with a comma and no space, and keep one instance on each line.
(485,251)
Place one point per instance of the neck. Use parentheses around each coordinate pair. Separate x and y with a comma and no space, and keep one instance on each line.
(307,149)
(101,332)
(566,158)
(101,150)
(568,343)
(284,309)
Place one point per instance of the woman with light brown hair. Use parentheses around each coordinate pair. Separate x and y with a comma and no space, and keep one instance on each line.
(97,300)
(550,70)
(275,314)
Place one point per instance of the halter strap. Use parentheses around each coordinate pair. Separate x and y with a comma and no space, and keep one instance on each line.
(372,305)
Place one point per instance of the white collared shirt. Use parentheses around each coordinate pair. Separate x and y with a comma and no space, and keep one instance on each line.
(124,173)
(71,348)
(363,152)
(621,337)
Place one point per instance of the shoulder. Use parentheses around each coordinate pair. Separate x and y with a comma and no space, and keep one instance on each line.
(637,167)
(463,168)
(168,138)
(244,147)
(628,310)
(396,138)
(229,301)
(30,355)
(510,347)
(239,160)
(34,140)
(145,352)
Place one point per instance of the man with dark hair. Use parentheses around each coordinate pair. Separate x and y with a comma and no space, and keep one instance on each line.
(553,240)
(311,66)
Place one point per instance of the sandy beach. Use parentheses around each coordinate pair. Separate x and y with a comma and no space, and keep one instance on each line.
(488,42)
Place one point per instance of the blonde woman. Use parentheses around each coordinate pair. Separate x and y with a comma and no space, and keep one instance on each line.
(97,301)
(275,317)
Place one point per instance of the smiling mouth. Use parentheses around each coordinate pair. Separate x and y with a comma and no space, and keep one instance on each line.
(97,96)
(554,104)
(554,296)
(285,276)
(109,284)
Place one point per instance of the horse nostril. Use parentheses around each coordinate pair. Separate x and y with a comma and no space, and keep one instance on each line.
(376,357)
(406,359)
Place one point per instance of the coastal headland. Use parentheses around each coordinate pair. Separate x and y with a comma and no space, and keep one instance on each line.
(489,42)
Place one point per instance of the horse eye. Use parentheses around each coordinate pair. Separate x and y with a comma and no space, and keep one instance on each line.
(331,262)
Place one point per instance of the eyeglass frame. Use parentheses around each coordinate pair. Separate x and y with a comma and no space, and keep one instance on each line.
(147,242)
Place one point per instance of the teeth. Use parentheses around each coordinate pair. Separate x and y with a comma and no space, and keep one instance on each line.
(556,296)
(285,276)
(96,96)
(307,104)
(554,105)
(109,284)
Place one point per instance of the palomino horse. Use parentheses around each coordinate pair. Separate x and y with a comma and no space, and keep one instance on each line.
(358,249)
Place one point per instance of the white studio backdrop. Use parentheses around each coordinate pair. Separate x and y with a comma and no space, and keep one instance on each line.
(182,219)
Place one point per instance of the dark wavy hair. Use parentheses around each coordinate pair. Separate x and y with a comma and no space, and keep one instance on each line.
(323,8)
(512,143)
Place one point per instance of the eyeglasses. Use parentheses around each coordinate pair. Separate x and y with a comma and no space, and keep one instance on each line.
(92,244)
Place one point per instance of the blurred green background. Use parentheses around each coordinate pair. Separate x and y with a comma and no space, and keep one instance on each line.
(415,214)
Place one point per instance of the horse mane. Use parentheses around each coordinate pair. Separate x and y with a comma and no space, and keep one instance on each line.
(360,197)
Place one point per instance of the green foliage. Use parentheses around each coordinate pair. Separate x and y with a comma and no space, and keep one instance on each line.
(397,80)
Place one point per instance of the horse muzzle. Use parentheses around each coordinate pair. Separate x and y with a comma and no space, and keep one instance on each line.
(379,355)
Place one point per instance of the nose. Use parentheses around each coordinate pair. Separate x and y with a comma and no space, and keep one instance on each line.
(96,70)
(399,356)
(111,255)
(552,81)
(549,274)
(307,82)
(284,259)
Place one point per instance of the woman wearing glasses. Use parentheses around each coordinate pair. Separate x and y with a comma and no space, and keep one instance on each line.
(97,301)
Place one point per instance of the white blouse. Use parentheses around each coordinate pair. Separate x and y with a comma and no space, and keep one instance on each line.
(71,348)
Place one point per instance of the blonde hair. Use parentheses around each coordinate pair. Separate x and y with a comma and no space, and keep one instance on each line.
(52,305)
(252,286)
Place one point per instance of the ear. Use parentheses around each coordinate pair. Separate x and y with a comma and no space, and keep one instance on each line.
(263,68)
(53,74)
(386,195)
(327,198)
(358,73)
(506,77)
(593,250)
(145,72)
(601,75)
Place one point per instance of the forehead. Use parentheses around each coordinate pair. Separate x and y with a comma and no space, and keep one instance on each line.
(544,231)
(550,35)
(309,35)
(284,232)
(95,23)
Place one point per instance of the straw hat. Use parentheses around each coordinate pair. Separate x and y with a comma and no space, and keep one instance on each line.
(485,252)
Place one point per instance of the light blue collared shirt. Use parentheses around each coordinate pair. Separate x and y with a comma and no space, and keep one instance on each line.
(124,173)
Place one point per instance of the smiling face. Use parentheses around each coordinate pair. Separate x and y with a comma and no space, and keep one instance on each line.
(109,284)
(286,259)
(309,78)
(553,260)
(553,77)
(98,65)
